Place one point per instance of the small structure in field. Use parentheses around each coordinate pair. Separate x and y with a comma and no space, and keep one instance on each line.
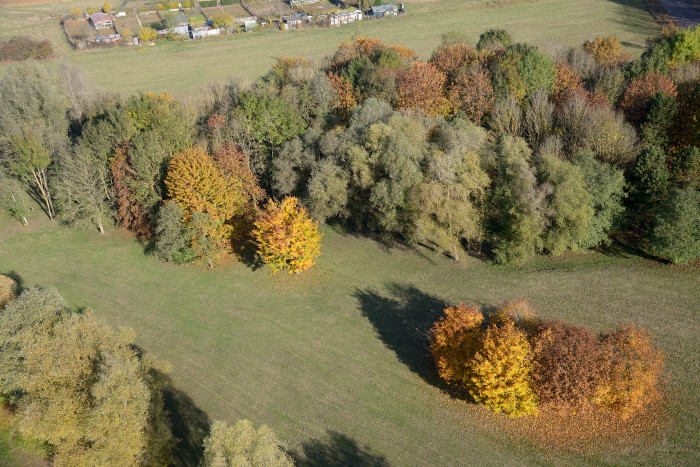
(302,2)
(345,17)
(101,20)
(295,21)
(384,10)
(205,31)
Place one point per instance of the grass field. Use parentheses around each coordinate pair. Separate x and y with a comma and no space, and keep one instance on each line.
(335,359)
(249,56)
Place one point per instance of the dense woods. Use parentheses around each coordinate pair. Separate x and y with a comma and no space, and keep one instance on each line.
(499,149)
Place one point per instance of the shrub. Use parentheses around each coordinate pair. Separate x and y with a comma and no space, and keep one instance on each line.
(607,51)
(566,367)
(455,341)
(242,445)
(147,34)
(631,367)
(472,94)
(8,290)
(20,48)
(519,312)
(640,90)
(222,20)
(677,232)
(423,86)
(493,39)
(501,372)
(172,236)
(287,238)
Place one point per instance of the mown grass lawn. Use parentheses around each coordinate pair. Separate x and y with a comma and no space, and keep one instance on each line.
(183,68)
(335,360)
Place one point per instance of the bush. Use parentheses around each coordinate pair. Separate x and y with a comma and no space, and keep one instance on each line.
(242,445)
(607,51)
(566,367)
(631,368)
(455,341)
(8,290)
(20,48)
(287,238)
(501,372)
(677,232)
(519,312)
(493,39)
(640,90)
(147,34)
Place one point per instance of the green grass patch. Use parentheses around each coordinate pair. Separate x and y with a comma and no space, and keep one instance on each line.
(335,359)
(249,56)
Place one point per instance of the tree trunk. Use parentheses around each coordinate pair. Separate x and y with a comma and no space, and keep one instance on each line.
(99,226)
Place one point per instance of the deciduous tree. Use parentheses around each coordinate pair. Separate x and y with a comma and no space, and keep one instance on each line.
(287,238)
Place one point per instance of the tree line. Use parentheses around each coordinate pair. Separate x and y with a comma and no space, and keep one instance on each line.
(496,149)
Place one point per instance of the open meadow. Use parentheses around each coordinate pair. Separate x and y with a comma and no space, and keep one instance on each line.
(335,360)
(183,68)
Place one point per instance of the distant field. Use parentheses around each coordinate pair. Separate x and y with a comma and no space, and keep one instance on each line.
(248,56)
(335,360)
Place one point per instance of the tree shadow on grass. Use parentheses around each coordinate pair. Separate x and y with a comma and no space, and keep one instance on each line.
(189,424)
(15,276)
(403,321)
(336,451)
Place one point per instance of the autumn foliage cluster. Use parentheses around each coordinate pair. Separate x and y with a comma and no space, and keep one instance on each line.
(513,362)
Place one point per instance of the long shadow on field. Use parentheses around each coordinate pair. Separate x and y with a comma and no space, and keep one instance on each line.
(403,321)
(338,450)
(190,425)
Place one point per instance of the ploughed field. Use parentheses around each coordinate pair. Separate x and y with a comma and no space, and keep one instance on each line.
(335,359)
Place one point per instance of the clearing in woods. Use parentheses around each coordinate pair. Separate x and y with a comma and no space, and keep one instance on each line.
(183,68)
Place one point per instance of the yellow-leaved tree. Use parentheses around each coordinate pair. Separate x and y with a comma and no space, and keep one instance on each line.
(287,237)
(8,290)
(501,372)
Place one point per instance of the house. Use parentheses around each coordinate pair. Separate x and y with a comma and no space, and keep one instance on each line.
(345,17)
(101,20)
(295,21)
(384,10)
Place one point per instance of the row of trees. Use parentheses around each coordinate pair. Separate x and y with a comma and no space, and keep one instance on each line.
(92,397)
(498,146)
(512,362)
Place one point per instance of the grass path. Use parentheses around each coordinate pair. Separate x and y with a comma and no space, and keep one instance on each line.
(182,68)
(335,359)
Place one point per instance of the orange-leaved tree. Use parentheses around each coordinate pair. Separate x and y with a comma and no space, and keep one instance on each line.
(287,237)
(423,86)
(632,370)
(501,372)
(641,90)
(196,183)
(454,342)
(606,51)
(346,99)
